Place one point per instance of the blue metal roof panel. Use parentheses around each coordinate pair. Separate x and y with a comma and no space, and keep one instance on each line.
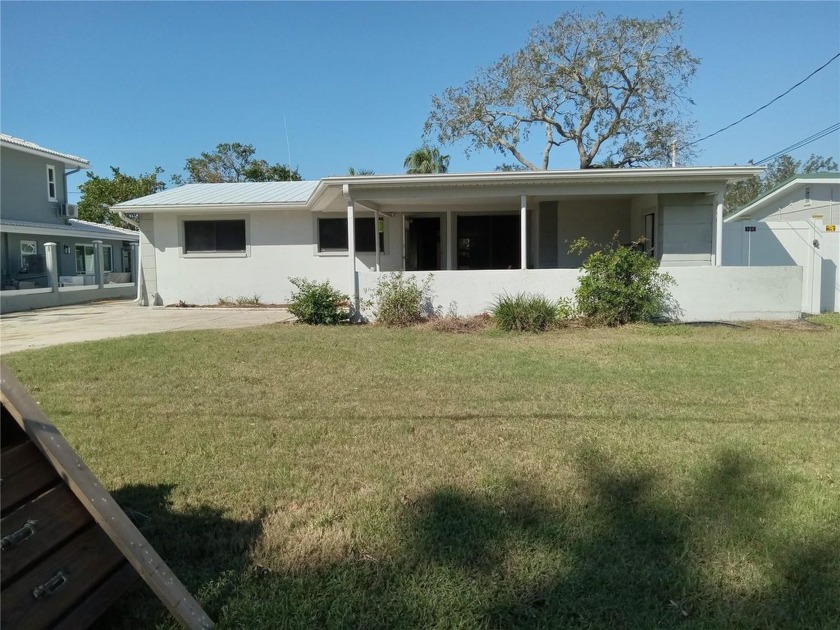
(239,193)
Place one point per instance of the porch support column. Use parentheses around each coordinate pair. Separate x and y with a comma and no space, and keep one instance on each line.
(719,228)
(523,231)
(376,237)
(98,264)
(449,237)
(351,252)
(51,260)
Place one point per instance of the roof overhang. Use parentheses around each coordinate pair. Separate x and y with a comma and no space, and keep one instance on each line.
(46,229)
(374,190)
(18,144)
(747,211)
(475,186)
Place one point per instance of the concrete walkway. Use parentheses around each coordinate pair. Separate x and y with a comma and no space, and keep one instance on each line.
(120,318)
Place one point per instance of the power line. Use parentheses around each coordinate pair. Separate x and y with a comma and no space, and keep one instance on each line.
(786,92)
(802,143)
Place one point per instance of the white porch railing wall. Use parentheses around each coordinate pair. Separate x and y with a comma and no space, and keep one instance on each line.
(699,293)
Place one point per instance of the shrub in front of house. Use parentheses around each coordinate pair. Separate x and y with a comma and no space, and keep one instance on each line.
(317,302)
(400,300)
(620,284)
(525,312)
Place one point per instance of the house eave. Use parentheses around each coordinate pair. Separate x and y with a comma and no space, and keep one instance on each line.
(781,191)
(67,160)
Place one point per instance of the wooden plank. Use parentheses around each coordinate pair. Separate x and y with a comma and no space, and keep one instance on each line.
(32,475)
(99,600)
(17,458)
(85,561)
(137,550)
(57,516)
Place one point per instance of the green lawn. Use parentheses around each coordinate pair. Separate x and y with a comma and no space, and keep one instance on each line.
(360,477)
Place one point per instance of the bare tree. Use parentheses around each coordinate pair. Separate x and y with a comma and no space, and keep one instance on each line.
(611,87)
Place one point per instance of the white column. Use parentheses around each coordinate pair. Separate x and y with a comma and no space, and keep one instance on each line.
(376,237)
(351,253)
(449,238)
(51,260)
(98,264)
(719,228)
(523,231)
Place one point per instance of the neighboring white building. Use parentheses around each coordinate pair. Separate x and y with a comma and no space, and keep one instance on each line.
(480,234)
(796,223)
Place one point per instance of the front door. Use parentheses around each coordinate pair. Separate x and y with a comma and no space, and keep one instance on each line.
(422,244)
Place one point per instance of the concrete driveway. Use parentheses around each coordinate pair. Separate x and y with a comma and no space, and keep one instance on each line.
(119,318)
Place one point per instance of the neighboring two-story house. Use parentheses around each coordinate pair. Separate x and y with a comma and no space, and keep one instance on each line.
(35,209)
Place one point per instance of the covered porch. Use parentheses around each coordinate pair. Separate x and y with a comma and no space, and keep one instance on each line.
(470,224)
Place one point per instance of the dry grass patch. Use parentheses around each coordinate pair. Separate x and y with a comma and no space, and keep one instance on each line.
(359,476)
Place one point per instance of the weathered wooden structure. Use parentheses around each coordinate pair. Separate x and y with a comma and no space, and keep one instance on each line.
(68,550)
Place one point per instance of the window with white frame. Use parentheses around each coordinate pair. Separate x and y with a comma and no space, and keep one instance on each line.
(51,190)
(85,259)
(28,255)
(219,236)
(107,258)
(332,235)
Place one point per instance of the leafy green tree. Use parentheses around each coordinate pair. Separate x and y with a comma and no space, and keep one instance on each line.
(778,171)
(100,193)
(425,160)
(234,162)
(358,172)
(610,87)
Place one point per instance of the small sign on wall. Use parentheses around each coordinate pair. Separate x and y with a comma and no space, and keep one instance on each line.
(831,228)
(749,228)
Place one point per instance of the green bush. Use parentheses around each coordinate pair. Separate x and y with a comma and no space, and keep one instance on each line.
(399,300)
(525,312)
(620,284)
(317,302)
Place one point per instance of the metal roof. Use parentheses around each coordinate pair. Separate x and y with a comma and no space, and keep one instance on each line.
(307,193)
(75,227)
(31,147)
(237,194)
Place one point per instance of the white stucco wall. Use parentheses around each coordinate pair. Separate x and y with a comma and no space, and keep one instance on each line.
(280,245)
(701,293)
(686,230)
(824,205)
(804,244)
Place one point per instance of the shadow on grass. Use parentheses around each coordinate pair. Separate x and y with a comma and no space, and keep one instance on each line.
(621,550)
(200,545)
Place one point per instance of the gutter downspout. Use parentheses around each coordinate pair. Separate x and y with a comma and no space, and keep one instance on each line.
(141,278)
(66,191)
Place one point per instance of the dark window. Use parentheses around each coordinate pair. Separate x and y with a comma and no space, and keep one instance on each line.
(488,241)
(214,236)
(332,235)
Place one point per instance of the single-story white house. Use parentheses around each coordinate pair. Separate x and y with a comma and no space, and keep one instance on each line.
(479,234)
(796,223)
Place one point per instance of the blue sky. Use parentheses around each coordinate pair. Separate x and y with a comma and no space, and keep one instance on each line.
(139,85)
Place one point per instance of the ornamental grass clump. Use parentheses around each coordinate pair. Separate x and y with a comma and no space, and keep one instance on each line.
(525,312)
(620,284)
(400,300)
(318,303)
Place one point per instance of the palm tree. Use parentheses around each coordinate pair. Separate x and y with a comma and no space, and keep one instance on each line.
(358,172)
(426,160)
